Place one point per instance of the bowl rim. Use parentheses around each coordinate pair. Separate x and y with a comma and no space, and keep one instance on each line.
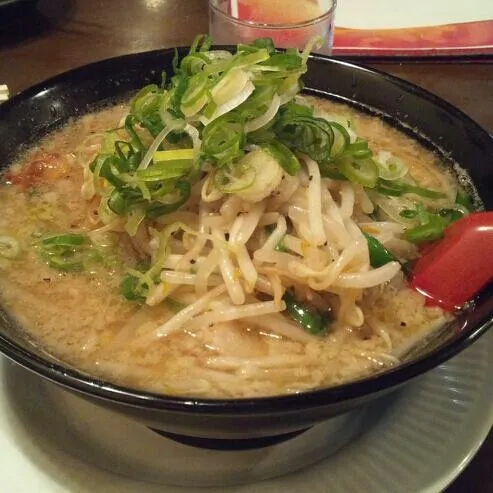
(95,387)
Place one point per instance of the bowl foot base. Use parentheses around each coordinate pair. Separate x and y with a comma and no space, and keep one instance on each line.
(229,444)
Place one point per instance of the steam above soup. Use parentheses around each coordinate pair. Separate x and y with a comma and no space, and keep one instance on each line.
(224,236)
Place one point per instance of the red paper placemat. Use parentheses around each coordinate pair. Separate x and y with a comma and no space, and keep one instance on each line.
(469,38)
(417,28)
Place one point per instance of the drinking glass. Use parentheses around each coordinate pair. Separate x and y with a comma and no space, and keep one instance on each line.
(290,23)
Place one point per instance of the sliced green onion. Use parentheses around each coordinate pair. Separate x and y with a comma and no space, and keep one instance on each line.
(173,155)
(260,43)
(223,140)
(194,63)
(65,263)
(136,142)
(195,97)
(109,140)
(286,61)
(180,82)
(361,171)
(294,109)
(117,202)
(164,171)
(132,289)
(202,42)
(258,103)
(396,189)
(135,216)
(237,179)
(230,84)
(306,134)
(157,209)
(64,240)
(358,149)
(268,116)
(145,101)
(9,247)
(390,167)
(67,252)
(342,140)
(106,166)
(239,61)
(316,41)
(283,155)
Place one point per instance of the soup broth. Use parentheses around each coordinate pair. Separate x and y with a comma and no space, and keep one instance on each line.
(82,318)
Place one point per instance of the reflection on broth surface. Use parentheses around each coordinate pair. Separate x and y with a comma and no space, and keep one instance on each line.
(240,338)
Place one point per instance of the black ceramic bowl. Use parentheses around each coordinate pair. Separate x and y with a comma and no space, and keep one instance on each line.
(30,115)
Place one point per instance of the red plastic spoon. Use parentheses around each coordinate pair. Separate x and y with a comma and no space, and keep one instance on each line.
(453,270)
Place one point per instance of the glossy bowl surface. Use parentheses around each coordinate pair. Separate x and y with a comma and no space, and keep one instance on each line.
(28,116)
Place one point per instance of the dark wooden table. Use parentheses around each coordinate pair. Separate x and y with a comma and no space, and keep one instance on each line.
(39,41)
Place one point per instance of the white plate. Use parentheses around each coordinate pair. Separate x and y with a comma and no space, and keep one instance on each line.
(422,441)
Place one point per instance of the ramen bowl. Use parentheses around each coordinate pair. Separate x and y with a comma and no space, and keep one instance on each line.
(251,422)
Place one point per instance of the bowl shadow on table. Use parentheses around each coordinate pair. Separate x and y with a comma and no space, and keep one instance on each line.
(23,20)
(55,436)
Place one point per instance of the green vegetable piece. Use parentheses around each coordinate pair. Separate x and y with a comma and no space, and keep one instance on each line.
(280,247)
(194,63)
(136,142)
(430,231)
(235,178)
(223,140)
(283,155)
(465,199)
(66,263)
(165,170)
(408,213)
(259,44)
(144,101)
(180,82)
(196,89)
(293,109)
(341,140)
(359,149)
(312,321)
(64,240)
(70,252)
(117,202)
(306,134)
(395,188)
(159,209)
(379,255)
(110,167)
(258,102)
(288,61)
(131,288)
(328,169)
(63,258)
(202,42)
(361,171)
